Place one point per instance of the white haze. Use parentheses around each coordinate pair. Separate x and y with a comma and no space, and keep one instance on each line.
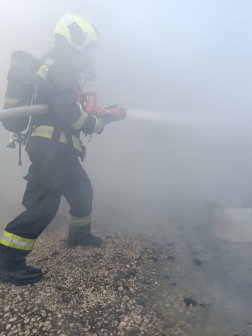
(183,69)
(190,59)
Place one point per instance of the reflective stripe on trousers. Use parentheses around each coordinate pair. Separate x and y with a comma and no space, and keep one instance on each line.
(14,241)
(47,131)
(80,220)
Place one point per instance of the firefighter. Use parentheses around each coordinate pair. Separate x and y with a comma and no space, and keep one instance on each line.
(54,148)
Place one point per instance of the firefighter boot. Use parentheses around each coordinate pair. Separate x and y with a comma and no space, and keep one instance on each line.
(81,235)
(23,276)
(16,271)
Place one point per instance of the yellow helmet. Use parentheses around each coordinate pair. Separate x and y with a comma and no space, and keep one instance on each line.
(77,31)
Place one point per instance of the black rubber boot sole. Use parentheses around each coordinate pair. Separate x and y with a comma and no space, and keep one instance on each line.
(83,243)
(5,279)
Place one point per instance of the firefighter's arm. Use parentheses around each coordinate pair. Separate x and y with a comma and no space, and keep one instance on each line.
(61,92)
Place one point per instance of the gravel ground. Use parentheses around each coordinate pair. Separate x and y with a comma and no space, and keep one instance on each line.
(124,287)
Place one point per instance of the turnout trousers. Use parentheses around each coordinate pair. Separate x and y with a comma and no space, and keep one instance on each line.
(47,181)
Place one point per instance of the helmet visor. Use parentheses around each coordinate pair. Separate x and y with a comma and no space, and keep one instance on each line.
(77,35)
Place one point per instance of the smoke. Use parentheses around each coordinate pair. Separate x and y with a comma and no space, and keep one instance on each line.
(183,69)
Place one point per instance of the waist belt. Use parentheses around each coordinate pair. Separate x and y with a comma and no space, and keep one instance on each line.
(47,131)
